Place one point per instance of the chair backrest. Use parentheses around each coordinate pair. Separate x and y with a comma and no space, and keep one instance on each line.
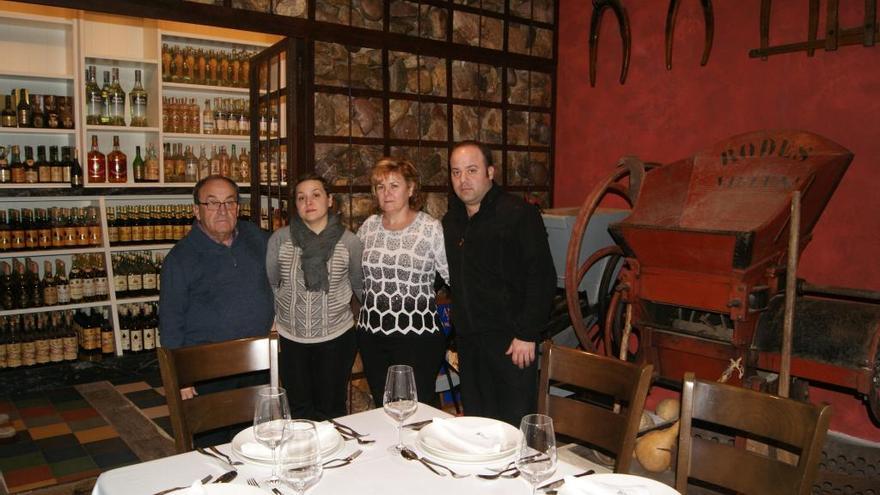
(784,424)
(598,423)
(185,366)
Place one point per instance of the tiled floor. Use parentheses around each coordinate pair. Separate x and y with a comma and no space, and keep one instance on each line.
(59,438)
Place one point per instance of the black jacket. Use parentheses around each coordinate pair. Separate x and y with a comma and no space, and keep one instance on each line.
(500,268)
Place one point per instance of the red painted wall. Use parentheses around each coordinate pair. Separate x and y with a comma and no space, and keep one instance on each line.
(662,115)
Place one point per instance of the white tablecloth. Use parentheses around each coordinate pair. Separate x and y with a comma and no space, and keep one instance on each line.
(375,472)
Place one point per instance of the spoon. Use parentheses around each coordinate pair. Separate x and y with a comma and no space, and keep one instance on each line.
(508,473)
(412,456)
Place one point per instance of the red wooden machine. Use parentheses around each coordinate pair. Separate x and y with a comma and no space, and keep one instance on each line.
(704,251)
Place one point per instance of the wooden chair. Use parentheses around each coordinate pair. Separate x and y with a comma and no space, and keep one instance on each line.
(595,422)
(782,423)
(182,367)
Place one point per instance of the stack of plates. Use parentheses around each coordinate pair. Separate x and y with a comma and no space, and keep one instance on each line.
(469,439)
(616,484)
(246,447)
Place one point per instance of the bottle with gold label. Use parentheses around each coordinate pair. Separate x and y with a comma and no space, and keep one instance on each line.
(76,283)
(70,337)
(62,284)
(5,233)
(31,174)
(102,286)
(50,289)
(56,338)
(44,229)
(88,278)
(124,226)
(42,338)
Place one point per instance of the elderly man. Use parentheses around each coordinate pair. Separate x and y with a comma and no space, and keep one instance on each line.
(214,284)
(503,283)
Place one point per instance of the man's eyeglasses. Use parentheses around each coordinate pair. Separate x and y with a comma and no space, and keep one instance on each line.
(214,205)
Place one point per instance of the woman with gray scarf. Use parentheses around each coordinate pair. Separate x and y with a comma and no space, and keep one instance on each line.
(314,269)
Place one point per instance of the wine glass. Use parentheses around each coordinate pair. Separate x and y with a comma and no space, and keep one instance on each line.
(400,399)
(300,455)
(270,416)
(537,453)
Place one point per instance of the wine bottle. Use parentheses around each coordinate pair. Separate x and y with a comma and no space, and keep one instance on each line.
(24,111)
(44,169)
(136,332)
(88,279)
(31,175)
(56,167)
(5,171)
(102,287)
(149,329)
(124,329)
(75,169)
(138,102)
(50,289)
(56,338)
(76,283)
(117,164)
(137,166)
(108,340)
(62,285)
(41,340)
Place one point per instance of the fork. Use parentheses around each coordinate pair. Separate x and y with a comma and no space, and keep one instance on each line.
(345,461)
(169,490)
(348,429)
(212,455)
(225,457)
(349,436)
(253,482)
(507,473)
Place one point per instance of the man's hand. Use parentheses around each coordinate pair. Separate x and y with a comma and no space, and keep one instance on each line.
(522,353)
(188,393)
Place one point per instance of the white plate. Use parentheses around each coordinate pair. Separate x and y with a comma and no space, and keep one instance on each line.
(245,436)
(621,482)
(431,440)
(226,489)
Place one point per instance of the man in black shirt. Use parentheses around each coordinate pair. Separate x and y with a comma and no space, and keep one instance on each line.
(503,283)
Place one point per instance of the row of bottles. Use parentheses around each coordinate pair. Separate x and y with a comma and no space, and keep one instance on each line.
(229,116)
(185,64)
(148,224)
(112,167)
(23,109)
(21,286)
(138,327)
(41,169)
(53,228)
(182,165)
(106,105)
(272,166)
(38,338)
(94,333)
(137,274)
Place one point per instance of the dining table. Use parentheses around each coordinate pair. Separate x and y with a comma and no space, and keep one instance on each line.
(375,471)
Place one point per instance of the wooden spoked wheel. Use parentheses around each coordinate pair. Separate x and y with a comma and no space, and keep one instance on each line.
(624,182)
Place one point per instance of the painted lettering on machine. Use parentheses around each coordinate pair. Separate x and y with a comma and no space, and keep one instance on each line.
(766,148)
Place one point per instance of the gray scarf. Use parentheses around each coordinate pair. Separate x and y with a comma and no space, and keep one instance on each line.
(316,250)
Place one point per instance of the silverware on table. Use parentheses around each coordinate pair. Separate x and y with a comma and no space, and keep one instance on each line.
(217,456)
(225,457)
(556,484)
(345,461)
(347,429)
(253,482)
(408,453)
(418,425)
(512,472)
(169,490)
(412,456)
(226,477)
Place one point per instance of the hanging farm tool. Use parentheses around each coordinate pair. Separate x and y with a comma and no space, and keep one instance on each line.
(709,20)
(599,8)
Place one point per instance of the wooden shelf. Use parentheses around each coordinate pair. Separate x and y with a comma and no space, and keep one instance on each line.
(137,300)
(27,75)
(124,61)
(140,247)
(60,307)
(35,186)
(38,131)
(35,253)
(121,128)
(205,137)
(203,88)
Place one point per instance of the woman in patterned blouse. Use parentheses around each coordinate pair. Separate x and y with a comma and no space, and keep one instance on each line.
(403,252)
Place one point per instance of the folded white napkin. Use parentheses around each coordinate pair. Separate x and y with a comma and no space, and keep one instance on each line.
(451,435)
(587,486)
(196,489)
(327,436)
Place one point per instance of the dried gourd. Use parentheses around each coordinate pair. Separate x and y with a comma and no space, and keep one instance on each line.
(654,450)
(669,409)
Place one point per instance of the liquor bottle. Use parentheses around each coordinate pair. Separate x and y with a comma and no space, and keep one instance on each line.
(94,98)
(53,114)
(65,111)
(273,124)
(75,169)
(149,276)
(120,277)
(264,165)
(180,163)
(62,285)
(191,170)
(117,100)
(31,234)
(70,337)
(148,225)
(245,70)
(44,229)
(207,118)
(28,343)
(166,63)
(82,227)
(88,279)
(135,278)
(44,168)
(225,165)
(151,165)
(138,102)
(42,338)
(204,164)
(102,287)
(16,231)
(138,165)
(6,297)
(215,160)
(56,338)
(69,222)
(112,226)
(34,285)
(136,332)
(233,165)
(212,68)
(149,329)
(124,226)
(5,170)
(5,233)
(24,112)
(97,163)
(244,123)
(93,225)
(108,341)
(189,62)
(56,168)
(219,117)
(76,283)
(16,168)
(244,166)
(168,163)
(31,175)
(201,67)
(105,99)
(38,118)
(137,226)
(50,289)
(8,116)
(13,343)
(117,170)
(124,329)
(4,337)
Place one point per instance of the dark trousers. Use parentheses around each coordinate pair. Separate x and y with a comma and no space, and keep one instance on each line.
(227,433)
(423,352)
(316,375)
(491,385)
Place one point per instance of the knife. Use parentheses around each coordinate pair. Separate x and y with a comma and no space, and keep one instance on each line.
(556,484)
(226,477)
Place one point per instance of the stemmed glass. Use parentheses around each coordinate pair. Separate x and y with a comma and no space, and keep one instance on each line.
(400,399)
(537,454)
(300,455)
(270,416)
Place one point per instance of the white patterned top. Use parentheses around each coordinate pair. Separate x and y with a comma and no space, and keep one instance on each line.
(399,271)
